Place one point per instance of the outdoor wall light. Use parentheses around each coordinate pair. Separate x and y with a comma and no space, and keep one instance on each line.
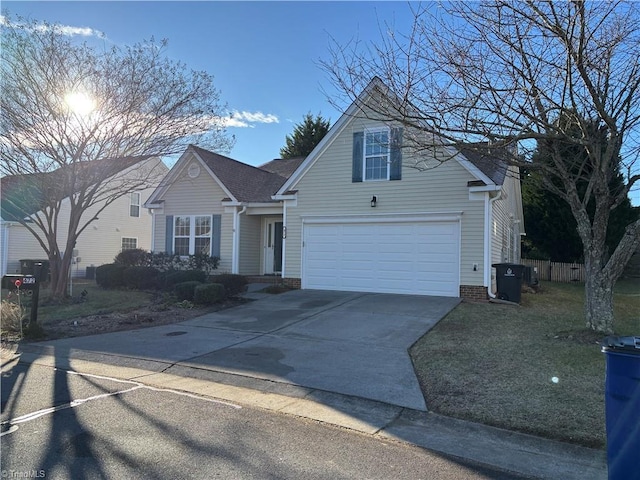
(374,200)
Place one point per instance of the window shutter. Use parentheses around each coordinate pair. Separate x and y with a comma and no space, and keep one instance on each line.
(395,172)
(168,236)
(216,221)
(358,142)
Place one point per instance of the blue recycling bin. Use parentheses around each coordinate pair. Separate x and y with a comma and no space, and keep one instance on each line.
(622,406)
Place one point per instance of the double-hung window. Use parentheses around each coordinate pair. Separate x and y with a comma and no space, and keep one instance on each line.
(376,155)
(134,204)
(192,234)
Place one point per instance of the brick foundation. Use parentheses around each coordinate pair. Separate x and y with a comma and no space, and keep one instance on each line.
(292,282)
(473,293)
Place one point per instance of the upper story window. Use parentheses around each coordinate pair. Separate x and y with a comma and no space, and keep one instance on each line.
(192,234)
(134,204)
(376,155)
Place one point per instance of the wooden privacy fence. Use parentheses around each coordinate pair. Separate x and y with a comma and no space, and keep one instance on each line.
(556,271)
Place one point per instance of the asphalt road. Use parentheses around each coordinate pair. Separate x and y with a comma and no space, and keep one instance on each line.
(63,425)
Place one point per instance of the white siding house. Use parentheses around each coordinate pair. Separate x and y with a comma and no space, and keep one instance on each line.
(125,223)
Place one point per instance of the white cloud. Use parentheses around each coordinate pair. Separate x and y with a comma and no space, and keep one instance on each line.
(246,119)
(66,30)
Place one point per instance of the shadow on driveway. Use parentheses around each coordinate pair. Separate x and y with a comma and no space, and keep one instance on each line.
(348,343)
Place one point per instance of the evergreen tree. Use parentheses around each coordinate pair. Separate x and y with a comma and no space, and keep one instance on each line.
(305,137)
(550,225)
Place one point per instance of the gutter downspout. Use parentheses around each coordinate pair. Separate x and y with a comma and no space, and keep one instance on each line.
(488,215)
(4,262)
(284,239)
(153,229)
(235,261)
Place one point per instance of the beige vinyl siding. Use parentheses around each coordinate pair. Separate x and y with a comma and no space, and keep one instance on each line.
(21,244)
(250,242)
(99,243)
(327,189)
(506,228)
(196,196)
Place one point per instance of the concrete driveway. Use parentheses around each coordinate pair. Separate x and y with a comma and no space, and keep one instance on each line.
(348,343)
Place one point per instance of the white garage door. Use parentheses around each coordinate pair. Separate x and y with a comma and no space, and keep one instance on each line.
(412,258)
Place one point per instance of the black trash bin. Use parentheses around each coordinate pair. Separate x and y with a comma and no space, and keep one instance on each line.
(509,281)
(28,267)
(90,273)
(622,406)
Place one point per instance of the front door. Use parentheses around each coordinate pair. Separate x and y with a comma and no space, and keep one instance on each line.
(273,247)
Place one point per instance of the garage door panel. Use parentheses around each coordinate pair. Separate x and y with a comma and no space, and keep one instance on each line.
(402,257)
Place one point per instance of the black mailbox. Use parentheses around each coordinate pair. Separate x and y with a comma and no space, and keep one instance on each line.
(15,281)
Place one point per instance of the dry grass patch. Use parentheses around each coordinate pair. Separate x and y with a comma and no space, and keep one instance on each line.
(496,364)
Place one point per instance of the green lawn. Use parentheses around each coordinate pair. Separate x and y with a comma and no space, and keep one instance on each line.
(496,364)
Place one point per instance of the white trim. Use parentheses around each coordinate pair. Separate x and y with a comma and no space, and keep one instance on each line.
(384,218)
(284,238)
(374,130)
(180,166)
(332,134)
(131,204)
(153,231)
(485,188)
(488,245)
(235,246)
(451,217)
(132,238)
(289,197)
(335,131)
(192,232)
(467,165)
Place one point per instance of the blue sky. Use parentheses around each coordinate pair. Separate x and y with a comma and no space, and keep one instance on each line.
(264,55)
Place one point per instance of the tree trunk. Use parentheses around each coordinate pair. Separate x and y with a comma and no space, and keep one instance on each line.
(599,300)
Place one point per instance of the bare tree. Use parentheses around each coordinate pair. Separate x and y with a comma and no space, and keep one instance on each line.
(501,73)
(78,123)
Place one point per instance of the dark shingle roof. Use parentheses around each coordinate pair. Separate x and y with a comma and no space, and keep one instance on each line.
(245,182)
(283,166)
(491,165)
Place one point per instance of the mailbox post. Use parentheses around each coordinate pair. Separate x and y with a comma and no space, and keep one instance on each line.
(25,283)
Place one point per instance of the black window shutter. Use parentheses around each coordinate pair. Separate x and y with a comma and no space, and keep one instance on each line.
(358,143)
(168,238)
(396,154)
(216,221)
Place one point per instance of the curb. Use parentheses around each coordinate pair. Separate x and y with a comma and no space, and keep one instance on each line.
(507,450)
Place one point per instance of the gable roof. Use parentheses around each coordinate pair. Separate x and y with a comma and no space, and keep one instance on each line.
(242,182)
(486,169)
(283,166)
(245,182)
(26,194)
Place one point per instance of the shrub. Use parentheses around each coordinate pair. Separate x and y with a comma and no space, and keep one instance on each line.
(209,293)
(110,275)
(133,258)
(167,262)
(141,278)
(12,316)
(202,261)
(180,276)
(233,284)
(185,290)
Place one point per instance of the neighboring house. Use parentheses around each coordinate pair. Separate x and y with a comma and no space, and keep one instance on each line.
(352,216)
(122,225)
